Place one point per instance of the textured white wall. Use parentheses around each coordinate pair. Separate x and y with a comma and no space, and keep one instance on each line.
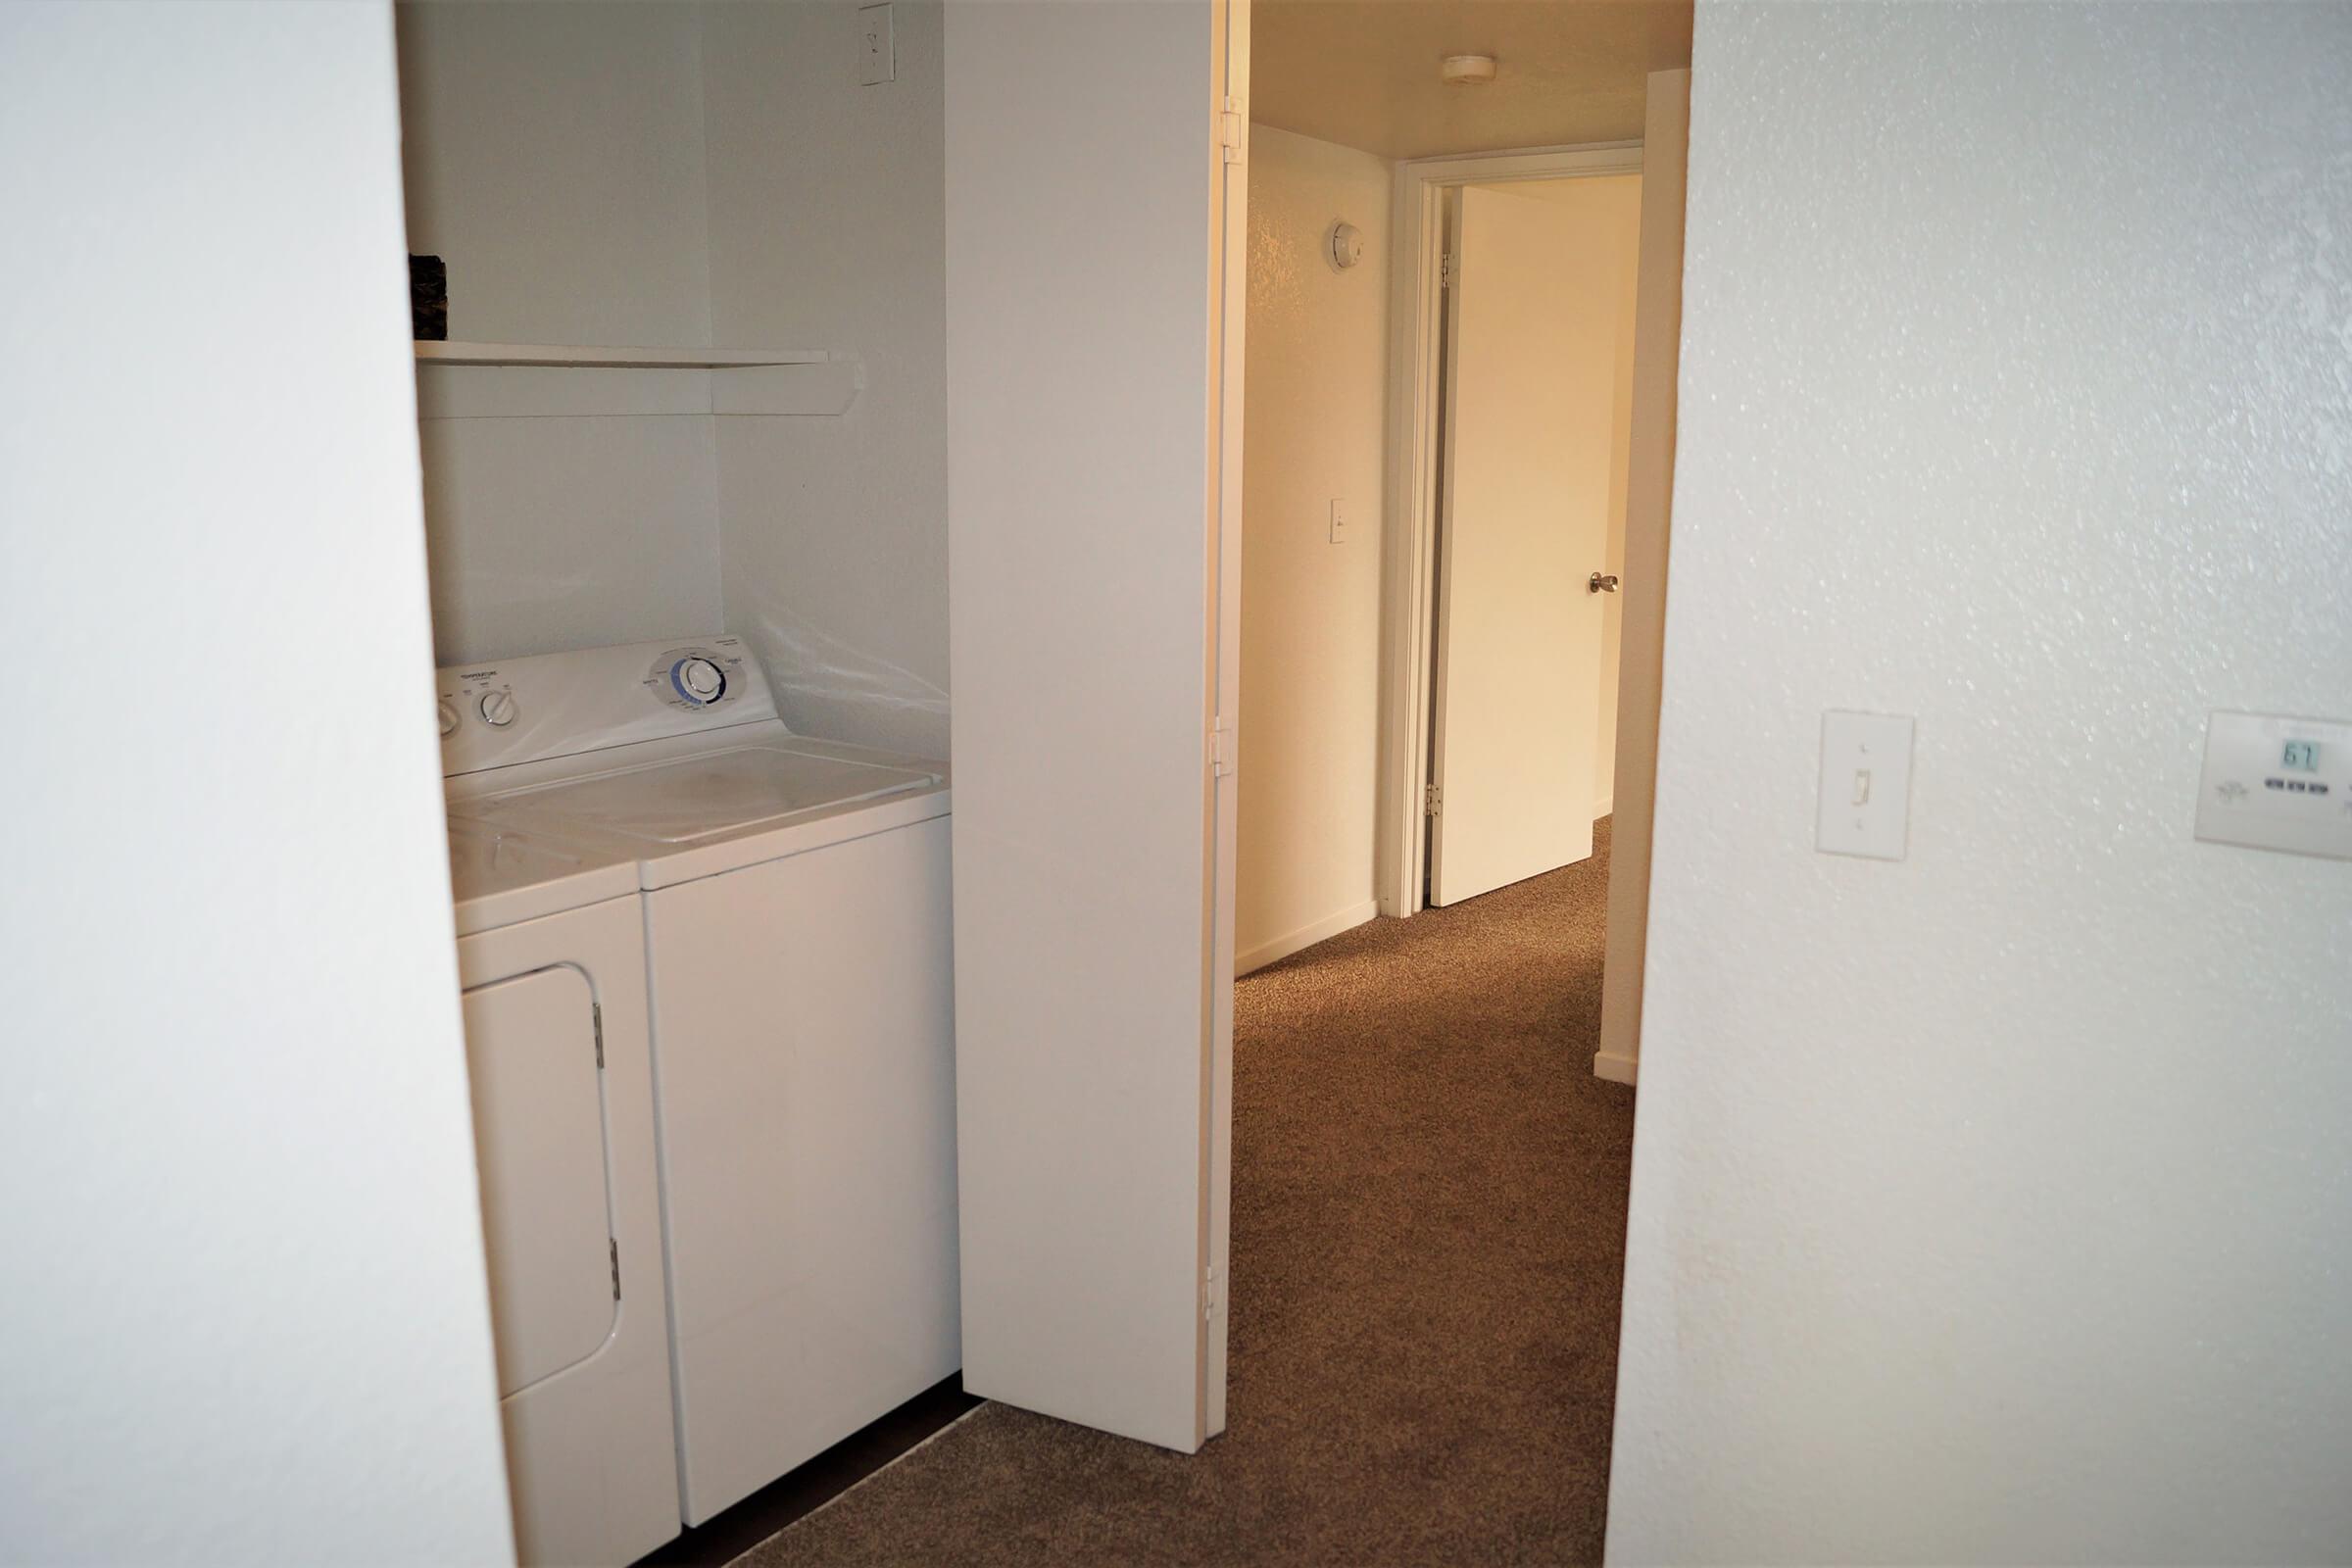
(1313,404)
(827,203)
(245,1317)
(554,159)
(1997,1205)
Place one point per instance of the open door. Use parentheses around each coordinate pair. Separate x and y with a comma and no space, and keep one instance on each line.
(1094,482)
(1530,372)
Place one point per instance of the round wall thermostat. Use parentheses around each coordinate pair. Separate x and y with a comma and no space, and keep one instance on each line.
(1346,245)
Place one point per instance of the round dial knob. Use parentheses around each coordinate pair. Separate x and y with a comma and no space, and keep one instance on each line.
(698,680)
(498,709)
(449,716)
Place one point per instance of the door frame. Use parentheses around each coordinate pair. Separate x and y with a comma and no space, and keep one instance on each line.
(1409,538)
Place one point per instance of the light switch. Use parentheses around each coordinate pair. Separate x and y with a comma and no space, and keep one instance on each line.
(2277,783)
(1865,785)
(877,52)
(1341,524)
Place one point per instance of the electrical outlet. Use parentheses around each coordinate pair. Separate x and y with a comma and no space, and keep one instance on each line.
(877,53)
(1343,526)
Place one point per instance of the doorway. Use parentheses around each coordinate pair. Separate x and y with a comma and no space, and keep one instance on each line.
(1534,373)
(1399,700)
(1093,979)
(1340,769)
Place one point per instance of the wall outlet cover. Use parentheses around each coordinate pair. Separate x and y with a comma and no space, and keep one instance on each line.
(1865,785)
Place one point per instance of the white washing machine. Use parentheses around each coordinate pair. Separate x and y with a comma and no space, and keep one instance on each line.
(797,941)
(551,955)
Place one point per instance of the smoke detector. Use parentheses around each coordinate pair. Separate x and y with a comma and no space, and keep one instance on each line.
(1346,245)
(1466,70)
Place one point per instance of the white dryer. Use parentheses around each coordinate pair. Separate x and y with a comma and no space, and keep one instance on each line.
(797,941)
(550,959)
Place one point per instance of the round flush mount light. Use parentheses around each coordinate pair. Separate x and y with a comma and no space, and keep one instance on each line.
(1466,70)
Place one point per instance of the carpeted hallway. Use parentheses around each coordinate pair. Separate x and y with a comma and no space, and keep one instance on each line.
(1428,1229)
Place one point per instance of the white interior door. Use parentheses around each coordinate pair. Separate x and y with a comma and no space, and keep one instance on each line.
(1093,431)
(1529,377)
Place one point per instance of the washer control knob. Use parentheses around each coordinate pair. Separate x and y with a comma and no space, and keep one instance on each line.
(498,709)
(699,679)
(449,718)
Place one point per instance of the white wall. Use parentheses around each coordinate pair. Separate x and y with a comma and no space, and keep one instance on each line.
(555,160)
(1315,402)
(670,173)
(1611,207)
(1992,1206)
(245,1318)
(826,232)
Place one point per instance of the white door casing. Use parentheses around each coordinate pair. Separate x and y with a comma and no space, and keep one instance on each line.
(1524,524)
(1228,296)
(1648,498)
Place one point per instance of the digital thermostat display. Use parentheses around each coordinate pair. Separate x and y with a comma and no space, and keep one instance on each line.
(2303,757)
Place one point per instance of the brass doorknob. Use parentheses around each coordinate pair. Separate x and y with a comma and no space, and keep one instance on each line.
(1599,584)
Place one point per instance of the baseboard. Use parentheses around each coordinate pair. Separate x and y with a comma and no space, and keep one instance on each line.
(1604,806)
(1615,1068)
(1306,936)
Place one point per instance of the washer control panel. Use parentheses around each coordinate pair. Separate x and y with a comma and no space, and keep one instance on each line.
(696,675)
(528,710)
(2277,783)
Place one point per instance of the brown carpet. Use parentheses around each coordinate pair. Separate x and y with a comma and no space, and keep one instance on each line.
(1428,1233)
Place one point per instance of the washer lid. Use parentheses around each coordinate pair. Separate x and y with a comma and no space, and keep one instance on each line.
(681,800)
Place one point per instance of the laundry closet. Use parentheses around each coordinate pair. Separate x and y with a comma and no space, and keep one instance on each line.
(681,176)
(684,471)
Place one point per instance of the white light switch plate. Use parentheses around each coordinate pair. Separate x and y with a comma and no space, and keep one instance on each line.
(1865,785)
(2278,783)
(877,51)
(1341,524)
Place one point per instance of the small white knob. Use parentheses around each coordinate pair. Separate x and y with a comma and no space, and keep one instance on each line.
(498,709)
(701,680)
(449,718)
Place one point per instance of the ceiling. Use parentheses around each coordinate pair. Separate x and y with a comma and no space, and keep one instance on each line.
(1364,72)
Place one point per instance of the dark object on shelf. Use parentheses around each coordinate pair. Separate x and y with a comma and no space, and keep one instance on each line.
(428,298)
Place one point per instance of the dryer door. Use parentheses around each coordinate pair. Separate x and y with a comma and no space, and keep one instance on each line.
(539,1136)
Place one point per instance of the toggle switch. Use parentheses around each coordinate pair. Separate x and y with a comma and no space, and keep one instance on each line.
(1865,785)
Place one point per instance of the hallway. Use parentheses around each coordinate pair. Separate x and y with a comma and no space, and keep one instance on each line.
(1428,1237)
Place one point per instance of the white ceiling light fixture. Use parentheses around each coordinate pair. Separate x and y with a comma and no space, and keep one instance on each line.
(1466,70)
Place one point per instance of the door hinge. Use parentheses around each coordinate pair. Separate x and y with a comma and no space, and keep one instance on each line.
(1220,749)
(1448,268)
(1209,1298)
(596,1016)
(1433,797)
(615,1268)
(1229,129)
